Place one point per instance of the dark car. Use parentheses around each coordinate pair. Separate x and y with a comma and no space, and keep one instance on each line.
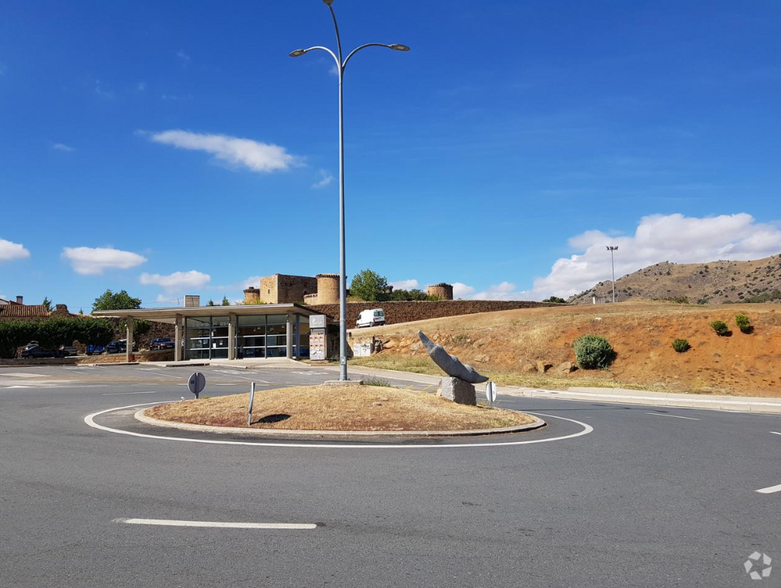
(95,349)
(119,346)
(33,350)
(161,343)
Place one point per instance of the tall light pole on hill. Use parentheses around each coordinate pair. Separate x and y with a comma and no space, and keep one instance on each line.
(613,248)
(341,64)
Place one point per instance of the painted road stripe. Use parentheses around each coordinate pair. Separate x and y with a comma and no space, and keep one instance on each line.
(674,416)
(774,433)
(219,525)
(90,421)
(770,490)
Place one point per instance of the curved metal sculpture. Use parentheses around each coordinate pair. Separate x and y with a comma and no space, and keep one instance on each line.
(450,363)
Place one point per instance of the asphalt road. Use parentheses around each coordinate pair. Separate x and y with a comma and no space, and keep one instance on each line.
(646,499)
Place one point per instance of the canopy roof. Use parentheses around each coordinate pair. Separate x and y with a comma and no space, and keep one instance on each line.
(168,315)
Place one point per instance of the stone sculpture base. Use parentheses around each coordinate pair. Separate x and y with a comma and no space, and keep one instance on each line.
(458,391)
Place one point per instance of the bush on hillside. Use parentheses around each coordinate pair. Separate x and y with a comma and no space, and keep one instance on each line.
(744,324)
(681,345)
(593,352)
(721,328)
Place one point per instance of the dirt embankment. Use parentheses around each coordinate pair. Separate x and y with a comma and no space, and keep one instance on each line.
(516,346)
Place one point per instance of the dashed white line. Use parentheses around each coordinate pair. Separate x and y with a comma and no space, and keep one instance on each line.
(674,416)
(219,525)
(770,489)
(775,433)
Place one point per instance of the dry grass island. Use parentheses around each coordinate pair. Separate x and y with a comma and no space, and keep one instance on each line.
(339,408)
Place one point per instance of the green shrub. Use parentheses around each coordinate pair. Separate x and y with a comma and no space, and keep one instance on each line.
(681,345)
(743,322)
(593,352)
(721,328)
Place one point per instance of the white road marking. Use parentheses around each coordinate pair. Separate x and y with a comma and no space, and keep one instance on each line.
(24,375)
(220,525)
(90,421)
(774,433)
(129,393)
(770,490)
(674,416)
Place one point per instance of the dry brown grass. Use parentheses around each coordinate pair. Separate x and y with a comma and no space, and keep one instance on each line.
(501,344)
(339,408)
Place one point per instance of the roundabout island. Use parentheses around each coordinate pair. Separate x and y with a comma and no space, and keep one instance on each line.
(341,410)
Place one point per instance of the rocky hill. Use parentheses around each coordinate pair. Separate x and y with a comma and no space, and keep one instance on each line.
(696,283)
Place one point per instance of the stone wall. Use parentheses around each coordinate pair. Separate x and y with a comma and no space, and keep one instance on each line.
(404,312)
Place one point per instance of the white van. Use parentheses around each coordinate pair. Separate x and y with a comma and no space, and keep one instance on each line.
(371,318)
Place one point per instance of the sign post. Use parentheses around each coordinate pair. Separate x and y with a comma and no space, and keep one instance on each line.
(196,383)
(251,401)
(490,393)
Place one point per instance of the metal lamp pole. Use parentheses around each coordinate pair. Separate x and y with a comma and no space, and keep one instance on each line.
(612,248)
(341,64)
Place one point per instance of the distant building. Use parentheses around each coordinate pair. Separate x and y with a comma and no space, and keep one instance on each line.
(18,311)
(284,289)
(442,291)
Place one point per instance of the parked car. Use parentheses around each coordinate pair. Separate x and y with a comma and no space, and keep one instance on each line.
(161,343)
(371,318)
(95,349)
(33,350)
(67,350)
(119,346)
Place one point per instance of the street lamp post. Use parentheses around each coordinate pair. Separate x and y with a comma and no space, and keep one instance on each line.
(612,248)
(341,64)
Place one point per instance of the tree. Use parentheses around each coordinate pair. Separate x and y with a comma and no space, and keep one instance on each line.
(210,303)
(368,285)
(47,304)
(414,294)
(119,301)
(555,299)
(225,301)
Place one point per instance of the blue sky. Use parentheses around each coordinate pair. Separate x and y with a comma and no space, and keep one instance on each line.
(169,149)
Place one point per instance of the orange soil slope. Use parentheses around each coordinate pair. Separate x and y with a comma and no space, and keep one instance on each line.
(640,333)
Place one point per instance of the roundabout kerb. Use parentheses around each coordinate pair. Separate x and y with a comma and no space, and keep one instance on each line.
(90,421)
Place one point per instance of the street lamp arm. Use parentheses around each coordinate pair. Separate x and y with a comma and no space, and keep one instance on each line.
(299,52)
(354,51)
(338,38)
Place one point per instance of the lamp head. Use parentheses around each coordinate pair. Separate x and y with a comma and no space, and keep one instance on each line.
(297,52)
(398,46)
(329,2)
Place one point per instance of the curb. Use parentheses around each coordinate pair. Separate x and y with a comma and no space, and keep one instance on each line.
(668,400)
(140,416)
(585,394)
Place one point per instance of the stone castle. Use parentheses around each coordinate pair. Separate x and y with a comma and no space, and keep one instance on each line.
(321,289)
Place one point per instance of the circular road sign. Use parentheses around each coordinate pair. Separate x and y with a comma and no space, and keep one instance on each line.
(196,383)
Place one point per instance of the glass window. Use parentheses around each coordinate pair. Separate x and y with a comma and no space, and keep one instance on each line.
(197,336)
(276,335)
(251,337)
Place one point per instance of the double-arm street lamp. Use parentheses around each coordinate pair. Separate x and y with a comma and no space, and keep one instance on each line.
(612,249)
(341,64)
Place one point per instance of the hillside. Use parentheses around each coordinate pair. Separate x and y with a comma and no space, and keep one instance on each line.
(509,346)
(712,282)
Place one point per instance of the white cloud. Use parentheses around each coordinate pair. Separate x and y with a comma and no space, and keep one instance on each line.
(325,179)
(176,282)
(10,251)
(95,260)
(102,92)
(462,290)
(251,281)
(63,147)
(404,285)
(237,152)
(503,291)
(140,86)
(184,59)
(673,237)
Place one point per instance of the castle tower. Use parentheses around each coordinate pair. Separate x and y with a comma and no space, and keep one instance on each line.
(442,291)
